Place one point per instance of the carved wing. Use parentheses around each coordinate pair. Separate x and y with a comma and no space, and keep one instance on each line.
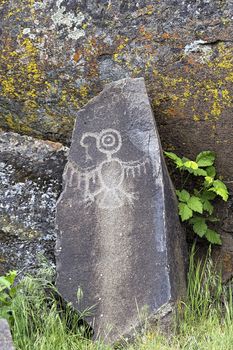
(81,178)
(136,167)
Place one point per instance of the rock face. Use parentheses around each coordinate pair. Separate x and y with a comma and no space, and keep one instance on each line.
(223,256)
(30,182)
(5,336)
(120,241)
(56,54)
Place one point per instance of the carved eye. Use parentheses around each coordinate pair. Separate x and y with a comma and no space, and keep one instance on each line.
(109,141)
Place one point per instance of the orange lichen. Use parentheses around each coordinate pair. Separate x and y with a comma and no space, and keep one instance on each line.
(77,56)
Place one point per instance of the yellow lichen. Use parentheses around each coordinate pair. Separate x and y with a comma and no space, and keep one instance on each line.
(10,121)
(8,87)
(83,91)
(216,109)
(196,118)
(229,77)
(28,45)
(226,95)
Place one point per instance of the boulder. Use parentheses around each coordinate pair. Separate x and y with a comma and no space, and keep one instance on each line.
(30,182)
(120,248)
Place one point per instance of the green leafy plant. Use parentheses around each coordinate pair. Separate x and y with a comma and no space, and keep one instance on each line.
(196,205)
(7,293)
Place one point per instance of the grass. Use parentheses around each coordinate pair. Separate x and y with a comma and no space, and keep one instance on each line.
(204,321)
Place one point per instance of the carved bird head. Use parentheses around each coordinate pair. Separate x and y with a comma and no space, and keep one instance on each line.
(108,141)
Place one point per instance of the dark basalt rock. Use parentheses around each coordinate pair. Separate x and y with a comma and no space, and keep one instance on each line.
(30,182)
(120,243)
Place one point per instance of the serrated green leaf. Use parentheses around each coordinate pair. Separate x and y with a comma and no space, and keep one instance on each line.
(188,169)
(199,172)
(199,226)
(10,276)
(219,184)
(205,158)
(183,195)
(220,192)
(191,165)
(220,189)
(2,288)
(177,160)
(209,195)
(208,206)
(4,282)
(213,237)
(211,171)
(4,297)
(195,204)
(213,219)
(208,181)
(185,212)
(171,155)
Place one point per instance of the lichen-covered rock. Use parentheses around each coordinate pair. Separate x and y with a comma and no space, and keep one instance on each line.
(56,54)
(30,182)
(120,241)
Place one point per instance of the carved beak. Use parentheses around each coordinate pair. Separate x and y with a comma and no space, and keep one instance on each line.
(85,144)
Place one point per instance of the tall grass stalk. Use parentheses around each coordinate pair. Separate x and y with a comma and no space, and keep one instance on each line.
(204,320)
(41,322)
(205,289)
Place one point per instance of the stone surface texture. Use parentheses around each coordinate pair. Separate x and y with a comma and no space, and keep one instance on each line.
(30,182)
(6,342)
(223,256)
(120,241)
(57,54)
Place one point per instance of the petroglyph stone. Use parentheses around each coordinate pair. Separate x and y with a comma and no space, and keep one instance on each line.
(119,241)
(5,336)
